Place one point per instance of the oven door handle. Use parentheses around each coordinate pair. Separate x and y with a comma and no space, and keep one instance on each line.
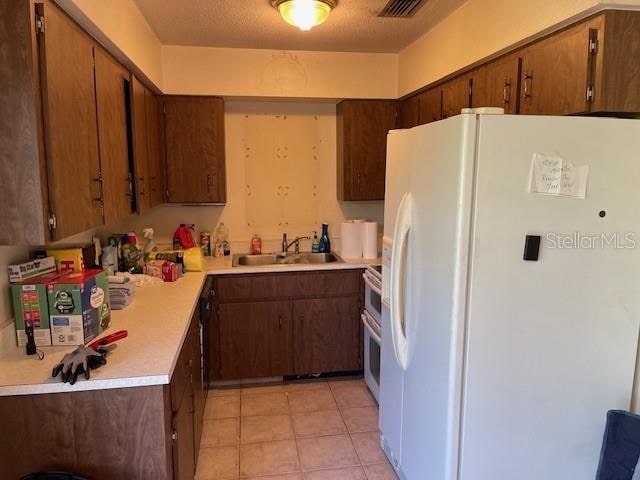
(372,332)
(370,284)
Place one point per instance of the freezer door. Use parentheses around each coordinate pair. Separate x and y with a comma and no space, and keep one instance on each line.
(435,292)
(551,344)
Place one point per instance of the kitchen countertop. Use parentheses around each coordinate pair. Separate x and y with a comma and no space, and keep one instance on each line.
(157,323)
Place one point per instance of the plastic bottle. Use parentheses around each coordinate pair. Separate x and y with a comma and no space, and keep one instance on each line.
(325,243)
(256,245)
(315,246)
(222,235)
(150,246)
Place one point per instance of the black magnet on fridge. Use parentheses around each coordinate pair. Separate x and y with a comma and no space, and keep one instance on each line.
(531,248)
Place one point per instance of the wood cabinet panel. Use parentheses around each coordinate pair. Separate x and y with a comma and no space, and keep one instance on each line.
(277,285)
(409,112)
(184,465)
(118,433)
(157,183)
(140,145)
(496,84)
(556,72)
(24,198)
(327,335)
(194,149)
(255,339)
(111,81)
(70,124)
(362,147)
(430,106)
(199,393)
(456,95)
(617,74)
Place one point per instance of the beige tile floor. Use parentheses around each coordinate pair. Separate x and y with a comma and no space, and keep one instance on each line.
(301,431)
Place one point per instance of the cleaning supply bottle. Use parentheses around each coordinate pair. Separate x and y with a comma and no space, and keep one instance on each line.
(325,243)
(150,246)
(222,236)
(315,246)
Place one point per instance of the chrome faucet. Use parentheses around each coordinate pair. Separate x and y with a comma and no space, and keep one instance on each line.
(296,243)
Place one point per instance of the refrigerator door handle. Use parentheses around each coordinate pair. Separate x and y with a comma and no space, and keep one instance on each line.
(396,284)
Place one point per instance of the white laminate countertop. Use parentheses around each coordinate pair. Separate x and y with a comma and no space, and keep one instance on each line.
(157,322)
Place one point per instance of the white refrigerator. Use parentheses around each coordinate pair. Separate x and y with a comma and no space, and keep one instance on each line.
(495,367)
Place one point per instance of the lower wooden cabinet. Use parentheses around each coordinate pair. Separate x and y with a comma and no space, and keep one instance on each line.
(255,339)
(327,335)
(280,324)
(142,433)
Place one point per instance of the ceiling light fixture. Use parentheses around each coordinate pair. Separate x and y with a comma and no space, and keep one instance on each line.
(304,14)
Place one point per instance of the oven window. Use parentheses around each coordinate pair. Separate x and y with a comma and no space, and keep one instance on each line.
(374,359)
(376,301)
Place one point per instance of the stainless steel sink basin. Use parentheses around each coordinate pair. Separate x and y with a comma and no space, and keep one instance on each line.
(289,259)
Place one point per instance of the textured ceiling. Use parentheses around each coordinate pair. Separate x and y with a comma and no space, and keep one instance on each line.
(352,27)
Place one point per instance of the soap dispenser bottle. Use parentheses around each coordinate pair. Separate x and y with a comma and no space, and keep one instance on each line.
(315,246)
(325,243)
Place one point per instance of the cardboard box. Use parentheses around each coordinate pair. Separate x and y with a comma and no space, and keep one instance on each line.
(30,304)
(74,258)
(79,307)
(30,269)
(167,271)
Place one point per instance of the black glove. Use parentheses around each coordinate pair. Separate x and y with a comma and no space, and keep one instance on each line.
(81,361)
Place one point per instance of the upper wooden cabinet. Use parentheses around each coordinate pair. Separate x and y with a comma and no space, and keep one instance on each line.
(409,112)
(558,70)
(112,83)
(456,95)
(70,124)
(362,147)
(157,184)
(67,149)
(430,106)
(496,84)
(194,149)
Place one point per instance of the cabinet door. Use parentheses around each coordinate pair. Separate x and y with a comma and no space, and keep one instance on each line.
(184,465)
(111,82)
(255,339)
(156,185)
(496,84)
(430,106)
(362,147)
(70,124)
(194,149)
(409,112)
(456,95)
(557,71)
(140,145)
(327,335)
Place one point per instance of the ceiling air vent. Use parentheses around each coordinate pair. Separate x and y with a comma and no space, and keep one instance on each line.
(401,8)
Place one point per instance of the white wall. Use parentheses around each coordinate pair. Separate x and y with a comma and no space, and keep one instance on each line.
(480,28)
(239,72)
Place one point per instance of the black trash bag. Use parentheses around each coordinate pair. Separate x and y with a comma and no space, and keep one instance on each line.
(620,447)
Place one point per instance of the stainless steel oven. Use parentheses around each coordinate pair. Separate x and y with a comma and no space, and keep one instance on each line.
(372,320)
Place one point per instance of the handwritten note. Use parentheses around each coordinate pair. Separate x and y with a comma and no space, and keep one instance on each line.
(555,176)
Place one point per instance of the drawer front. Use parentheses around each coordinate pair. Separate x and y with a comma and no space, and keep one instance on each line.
(284,285)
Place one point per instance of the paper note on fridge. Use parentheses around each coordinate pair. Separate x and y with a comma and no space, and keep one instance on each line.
(555,176)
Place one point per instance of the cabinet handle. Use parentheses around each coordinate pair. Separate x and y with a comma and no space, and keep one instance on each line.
(506,92)
(209,182)
(280,321)
(528,84)
(358,179)
(174,436)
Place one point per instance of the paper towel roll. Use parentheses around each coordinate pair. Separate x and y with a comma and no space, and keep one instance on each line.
(351,239)
(370,240)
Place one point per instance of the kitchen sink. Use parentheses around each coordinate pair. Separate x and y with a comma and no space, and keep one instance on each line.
(289,259)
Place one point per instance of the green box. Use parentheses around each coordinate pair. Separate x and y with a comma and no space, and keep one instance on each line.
(30,304)
(79,307)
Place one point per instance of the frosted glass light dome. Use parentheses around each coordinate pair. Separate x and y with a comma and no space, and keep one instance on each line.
(304,14)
